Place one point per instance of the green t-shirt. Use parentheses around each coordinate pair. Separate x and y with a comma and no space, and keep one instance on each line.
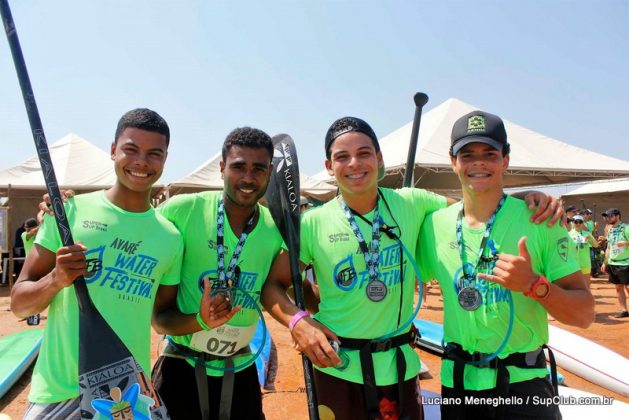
(328,241)
(582,245)
(129,256)
(589,225)
(484,329)
(28,242)
(618,255)
(195,215)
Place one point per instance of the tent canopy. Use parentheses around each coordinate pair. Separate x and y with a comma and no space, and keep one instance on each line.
(77,162)
(601,195)
(535,158)
(208,177)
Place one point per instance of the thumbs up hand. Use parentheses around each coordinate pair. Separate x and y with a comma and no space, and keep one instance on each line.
(513,271)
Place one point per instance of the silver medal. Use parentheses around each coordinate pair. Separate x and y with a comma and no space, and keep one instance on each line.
(226,292)
(470,298)
(376,290)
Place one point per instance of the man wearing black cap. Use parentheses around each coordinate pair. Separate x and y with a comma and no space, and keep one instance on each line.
(616,262)
(362,246)
(500,275)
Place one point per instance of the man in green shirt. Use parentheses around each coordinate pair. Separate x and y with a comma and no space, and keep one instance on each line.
(500,275)
(617,257)
(361,246)
(230,242)
(125,251)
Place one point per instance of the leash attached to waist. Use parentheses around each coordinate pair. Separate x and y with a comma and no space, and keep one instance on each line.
(366,348)
(200,359)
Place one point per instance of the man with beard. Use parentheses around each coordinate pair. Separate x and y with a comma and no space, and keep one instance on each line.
(230,243)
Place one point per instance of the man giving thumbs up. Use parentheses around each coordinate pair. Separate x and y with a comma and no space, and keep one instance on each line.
(501,275)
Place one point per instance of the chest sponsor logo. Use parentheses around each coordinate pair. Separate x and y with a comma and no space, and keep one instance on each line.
(347,277)
(338,237)
(246,283)
(94,225)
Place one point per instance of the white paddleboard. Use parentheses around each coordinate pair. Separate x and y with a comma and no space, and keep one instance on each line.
(576,404)
(589,360)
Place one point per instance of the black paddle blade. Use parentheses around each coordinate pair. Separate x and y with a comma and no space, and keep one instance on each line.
(110,380)
(282,194)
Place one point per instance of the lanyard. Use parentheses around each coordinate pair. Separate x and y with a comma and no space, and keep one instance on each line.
(371,253)
(225,277)
(471,277)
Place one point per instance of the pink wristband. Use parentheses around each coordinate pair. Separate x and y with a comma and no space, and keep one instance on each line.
(296,318)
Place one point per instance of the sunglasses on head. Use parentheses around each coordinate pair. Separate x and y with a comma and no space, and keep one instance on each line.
(578,222)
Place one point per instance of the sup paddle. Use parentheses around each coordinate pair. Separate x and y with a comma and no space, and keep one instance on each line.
(110,380)
(420,100)
(282,197)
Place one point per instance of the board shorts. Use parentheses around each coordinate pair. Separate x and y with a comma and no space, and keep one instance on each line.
(519,393)
(343,400)
(618,274)
(175,382)
(68,409)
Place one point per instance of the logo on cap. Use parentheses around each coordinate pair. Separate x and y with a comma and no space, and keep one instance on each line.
(476,123)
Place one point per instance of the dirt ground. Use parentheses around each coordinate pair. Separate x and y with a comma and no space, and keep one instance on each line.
(288,401)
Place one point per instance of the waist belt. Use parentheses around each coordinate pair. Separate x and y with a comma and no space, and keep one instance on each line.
(534,359)
(180,351)
(366,348)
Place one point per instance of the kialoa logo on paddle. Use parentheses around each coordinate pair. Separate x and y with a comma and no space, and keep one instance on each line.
(110,379)
(283,160)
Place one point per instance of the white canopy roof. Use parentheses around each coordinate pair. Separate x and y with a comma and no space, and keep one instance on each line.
(77,162)
(208,177)
(536,159)
(602,187)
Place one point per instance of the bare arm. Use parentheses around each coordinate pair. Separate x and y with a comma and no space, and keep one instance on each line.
(311,337)
(569,299)
(44,274)
(168,319)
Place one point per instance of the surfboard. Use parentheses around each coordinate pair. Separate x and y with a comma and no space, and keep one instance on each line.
(589,360)
(17,353)
(262,362)
(432,336)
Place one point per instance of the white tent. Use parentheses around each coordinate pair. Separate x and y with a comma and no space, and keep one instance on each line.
(601,195)
(208,177)
(535,158)
(77,162)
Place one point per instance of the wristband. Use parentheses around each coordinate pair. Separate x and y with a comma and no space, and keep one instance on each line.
(539,289)
(202,324)
(296,318)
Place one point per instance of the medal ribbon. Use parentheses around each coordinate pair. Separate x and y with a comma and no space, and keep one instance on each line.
(471,277)
(371,253)
(223,276)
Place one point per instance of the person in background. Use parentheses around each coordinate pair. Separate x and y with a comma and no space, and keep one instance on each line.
(31,227)
(584,241)
(617,257)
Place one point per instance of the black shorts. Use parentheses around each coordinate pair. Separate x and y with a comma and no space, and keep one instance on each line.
(618,274)
(176,383)
(522,394)
(344,400)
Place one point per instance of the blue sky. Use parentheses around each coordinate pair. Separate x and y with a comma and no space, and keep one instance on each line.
(557,67)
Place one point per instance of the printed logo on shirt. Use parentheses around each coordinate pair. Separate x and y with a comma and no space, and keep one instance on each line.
(562,248)
(246,282)
(94,225)
(338,237)
(347,278)
(131,273)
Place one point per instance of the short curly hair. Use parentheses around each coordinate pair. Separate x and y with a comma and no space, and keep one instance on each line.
(143,119)
(248,137)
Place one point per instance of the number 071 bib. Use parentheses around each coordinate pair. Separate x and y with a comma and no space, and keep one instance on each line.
(222,341)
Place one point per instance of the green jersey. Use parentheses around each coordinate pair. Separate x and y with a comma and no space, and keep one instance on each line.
(618,255)
(28,242)
(129,256)
(582,245)
(328,241)
(484,329)
(589,225)
(195,215)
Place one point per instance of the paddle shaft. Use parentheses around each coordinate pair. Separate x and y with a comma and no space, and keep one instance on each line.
(420,100)
(43,153)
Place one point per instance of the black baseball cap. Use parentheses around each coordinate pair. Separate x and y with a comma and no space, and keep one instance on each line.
(570,208)
(479,127)
(347,125)
(31,223)
(610,212)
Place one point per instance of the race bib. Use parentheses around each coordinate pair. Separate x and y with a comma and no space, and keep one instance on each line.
(222,341)
(616,250)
